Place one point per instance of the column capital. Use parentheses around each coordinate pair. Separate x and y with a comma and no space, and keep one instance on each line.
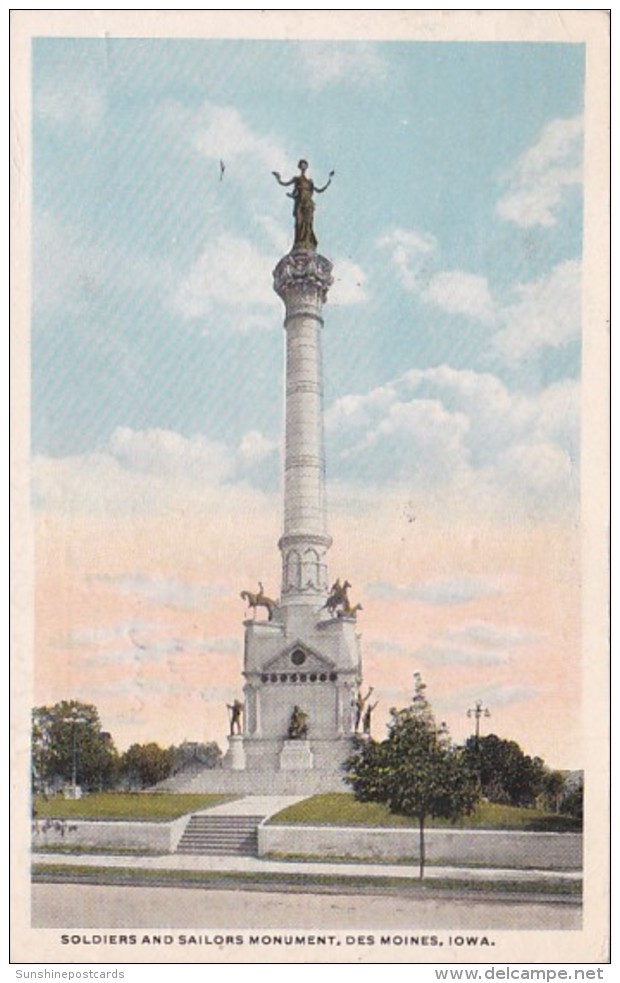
(303,271)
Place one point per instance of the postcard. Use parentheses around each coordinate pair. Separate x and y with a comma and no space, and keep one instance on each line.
(310,580)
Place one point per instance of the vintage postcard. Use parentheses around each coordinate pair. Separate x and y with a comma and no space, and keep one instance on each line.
(310,339)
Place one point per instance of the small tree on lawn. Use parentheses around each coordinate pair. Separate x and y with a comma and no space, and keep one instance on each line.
(143,765)
(416,771)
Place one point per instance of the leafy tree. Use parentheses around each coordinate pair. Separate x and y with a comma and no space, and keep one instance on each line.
(143,765)
(416,771)
(195,755)
(572,799)
(68,743)
(506,774)
(553,785)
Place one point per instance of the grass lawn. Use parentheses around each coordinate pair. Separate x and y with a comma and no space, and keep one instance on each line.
(341,809)
(59,873)
(153,806)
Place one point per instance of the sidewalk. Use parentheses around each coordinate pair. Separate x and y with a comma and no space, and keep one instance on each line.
(256,865)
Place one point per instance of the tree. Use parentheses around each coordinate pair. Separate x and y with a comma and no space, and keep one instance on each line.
(143,765)
(195,755)
(506,774)
(553,784)
(572,799)
(69,745)
(416,771)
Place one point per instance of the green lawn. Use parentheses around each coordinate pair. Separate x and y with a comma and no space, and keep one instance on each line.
(154,806)
(341,809)
(69,873)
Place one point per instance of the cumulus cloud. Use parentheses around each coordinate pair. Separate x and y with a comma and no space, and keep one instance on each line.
(546,313)
(542,176)
(409,252)
(462,433)
(458,292)
(355,63)
(159,452)
(71,98)
(254,447)
(140,471)
(349,285)
(230,272)
(530,316)
(219,132)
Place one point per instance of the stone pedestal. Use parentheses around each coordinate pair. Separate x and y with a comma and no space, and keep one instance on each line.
(234,759)
(296,756)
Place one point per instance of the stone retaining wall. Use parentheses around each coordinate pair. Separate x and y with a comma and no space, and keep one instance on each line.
(120,835)
(454,847)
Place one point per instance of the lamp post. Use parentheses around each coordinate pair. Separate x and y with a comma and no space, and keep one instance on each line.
(477,712)
(75,720)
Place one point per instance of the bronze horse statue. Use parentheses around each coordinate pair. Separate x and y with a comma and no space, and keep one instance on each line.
(259,600)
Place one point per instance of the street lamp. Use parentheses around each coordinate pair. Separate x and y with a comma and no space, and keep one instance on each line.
(477,712)
(75,720)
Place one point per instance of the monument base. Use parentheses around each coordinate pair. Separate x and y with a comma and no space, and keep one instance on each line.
(234,759)
(296,756)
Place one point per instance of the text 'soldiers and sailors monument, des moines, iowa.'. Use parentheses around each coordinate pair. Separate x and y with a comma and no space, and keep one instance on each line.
(302,700)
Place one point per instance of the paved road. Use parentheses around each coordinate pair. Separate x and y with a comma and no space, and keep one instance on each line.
(71,906)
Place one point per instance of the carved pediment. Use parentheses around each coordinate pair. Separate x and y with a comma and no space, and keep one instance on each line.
(300,658)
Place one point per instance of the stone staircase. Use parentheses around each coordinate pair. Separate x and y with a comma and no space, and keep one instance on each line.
(220,836)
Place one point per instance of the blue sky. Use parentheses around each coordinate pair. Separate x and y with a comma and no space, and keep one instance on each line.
(451,356)
(153,302)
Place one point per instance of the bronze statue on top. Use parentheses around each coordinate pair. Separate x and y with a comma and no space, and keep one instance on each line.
(303,211)
(260,600)
(338,601)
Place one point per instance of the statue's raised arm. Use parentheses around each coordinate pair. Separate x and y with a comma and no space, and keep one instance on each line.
(284,184)
(320,191)
(303,209)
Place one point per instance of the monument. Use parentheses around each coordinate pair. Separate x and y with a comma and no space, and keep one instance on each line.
(302,666)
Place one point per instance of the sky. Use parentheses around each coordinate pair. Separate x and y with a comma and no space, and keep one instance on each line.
(452,351)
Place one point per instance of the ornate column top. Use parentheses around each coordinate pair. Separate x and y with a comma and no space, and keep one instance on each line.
(303,270)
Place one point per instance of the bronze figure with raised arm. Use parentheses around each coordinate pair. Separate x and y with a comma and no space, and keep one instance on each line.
(303,210)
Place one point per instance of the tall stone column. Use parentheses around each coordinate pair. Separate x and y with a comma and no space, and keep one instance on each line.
(302,279)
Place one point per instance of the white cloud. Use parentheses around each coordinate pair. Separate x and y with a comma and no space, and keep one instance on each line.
(409,251)
(458,292)
(464,435)
(164,452)
(220,133)
(254,447)
(71,98)
(230,272)
(356,63)
(542,175)
(349,284)
(145,471)
(547,313)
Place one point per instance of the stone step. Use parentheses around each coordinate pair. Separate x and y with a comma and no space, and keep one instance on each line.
(220,835)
